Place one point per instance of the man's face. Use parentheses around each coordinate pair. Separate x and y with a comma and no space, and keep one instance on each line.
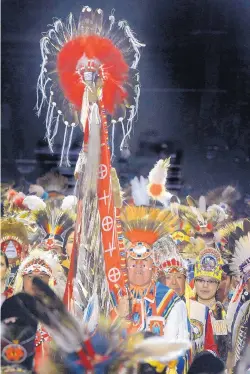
(206,287)
(176,281)
(3,267)
(140,271)
(27,281)
(70,243)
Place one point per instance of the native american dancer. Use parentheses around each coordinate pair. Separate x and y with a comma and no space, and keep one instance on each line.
(56,220)
(46,267)
(152,306)
(238,256)
(14,243)
(19,232)
(175,277)
(229,280)
(207,277)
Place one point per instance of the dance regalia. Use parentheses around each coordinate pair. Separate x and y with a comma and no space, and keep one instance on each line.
(202,330)
(238,254)
(17,335)
(209,264)
(150,309)
(40,263)
(198,314)
(97,78)
(155,307)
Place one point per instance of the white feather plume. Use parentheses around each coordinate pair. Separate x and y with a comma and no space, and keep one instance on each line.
(69,203)
(158,175)
(34,202)
(139,191)
(202,204)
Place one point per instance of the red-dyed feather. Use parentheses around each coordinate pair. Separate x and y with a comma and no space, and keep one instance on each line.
(114,65)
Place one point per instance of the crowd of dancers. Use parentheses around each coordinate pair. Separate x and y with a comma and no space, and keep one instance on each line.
(113,281)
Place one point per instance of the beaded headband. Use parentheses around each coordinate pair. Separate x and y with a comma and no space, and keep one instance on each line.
(37,266)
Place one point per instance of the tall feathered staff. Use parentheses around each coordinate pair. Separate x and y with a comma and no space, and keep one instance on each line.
(89,71)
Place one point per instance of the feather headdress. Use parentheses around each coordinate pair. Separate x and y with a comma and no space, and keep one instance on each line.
(143,226)
(55,220)
(239,251)
(222,235)
(39,261)
(204,220)
(14,238)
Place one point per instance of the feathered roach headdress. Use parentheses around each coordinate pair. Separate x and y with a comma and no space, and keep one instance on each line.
(76,54)
(239,251)
(143,227)
(55,220)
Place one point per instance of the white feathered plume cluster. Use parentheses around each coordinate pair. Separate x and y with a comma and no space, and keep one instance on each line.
(139,191)
(33,202)
(36,203)
(158,178)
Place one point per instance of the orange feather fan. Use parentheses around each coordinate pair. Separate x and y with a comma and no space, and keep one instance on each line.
(112,62)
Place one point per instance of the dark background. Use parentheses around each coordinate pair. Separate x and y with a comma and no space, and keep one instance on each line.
(195,96)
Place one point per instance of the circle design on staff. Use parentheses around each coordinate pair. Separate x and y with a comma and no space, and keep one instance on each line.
(114,275)
(107,223)
(103,171)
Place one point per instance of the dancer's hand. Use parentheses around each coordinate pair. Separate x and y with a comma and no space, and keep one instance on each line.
(123,307)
